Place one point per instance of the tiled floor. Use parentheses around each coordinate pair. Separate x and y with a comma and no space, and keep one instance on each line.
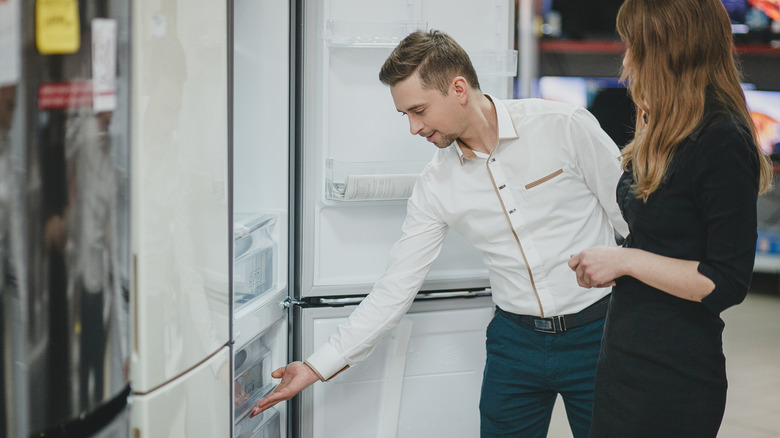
(751,341)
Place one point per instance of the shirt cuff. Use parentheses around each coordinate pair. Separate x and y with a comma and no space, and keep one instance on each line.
(327,362)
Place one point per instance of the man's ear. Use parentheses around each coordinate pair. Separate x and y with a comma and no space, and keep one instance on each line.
(461,88)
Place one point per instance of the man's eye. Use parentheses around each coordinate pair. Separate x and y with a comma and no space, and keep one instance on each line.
(419,112)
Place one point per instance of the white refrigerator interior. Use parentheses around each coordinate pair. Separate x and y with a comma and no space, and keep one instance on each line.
(260,126)
(360,161)
(180,227)
(423,380)
(260,157)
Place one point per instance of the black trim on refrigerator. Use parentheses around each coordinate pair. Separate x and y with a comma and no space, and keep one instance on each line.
(92,423)
(231,239)
(295,197)
(230,85)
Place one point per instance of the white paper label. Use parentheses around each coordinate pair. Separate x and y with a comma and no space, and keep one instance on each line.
(103,64)
(10,50)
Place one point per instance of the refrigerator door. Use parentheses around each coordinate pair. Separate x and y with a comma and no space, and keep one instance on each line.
(423,380)
(359,159)
(260,128)
(181,237)
(196,404)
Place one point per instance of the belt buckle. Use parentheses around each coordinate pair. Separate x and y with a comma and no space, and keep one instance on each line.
(548,325)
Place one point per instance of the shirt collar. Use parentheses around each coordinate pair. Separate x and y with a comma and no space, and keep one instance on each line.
(506,130)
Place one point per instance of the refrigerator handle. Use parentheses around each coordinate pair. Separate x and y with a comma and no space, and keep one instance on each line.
(354,300)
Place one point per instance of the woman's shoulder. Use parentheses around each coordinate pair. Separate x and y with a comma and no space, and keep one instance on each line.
(719,133)
(721,145)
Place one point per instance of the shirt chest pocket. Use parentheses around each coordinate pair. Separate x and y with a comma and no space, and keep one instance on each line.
(542,184)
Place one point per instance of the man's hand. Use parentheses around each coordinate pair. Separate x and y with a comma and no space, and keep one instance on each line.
(296,377)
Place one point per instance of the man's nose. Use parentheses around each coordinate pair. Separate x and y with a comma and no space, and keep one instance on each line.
(415,126)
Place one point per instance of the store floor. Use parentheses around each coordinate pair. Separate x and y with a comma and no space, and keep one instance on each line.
(751,341)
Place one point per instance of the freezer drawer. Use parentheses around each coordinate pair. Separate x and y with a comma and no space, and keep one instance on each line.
(422,380)
(194,405)
(253,363)
(252,378)
(265,425)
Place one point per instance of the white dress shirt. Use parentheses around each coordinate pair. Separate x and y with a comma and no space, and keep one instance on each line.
(547,191)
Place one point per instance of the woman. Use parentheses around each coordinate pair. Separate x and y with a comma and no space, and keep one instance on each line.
(692,175)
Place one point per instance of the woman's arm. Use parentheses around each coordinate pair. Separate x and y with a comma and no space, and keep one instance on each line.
(600,266)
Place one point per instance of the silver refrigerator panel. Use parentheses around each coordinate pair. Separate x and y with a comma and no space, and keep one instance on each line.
(64,198)
(422,380)
(359,159)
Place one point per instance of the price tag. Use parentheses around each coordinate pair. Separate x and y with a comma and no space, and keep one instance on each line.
(57,26)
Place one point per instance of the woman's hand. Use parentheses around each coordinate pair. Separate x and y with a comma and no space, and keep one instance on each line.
(599,266)
(296,377)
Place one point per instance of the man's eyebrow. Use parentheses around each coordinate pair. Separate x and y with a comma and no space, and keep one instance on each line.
(411,108)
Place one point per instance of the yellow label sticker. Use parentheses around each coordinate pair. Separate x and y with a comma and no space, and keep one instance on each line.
(57,28)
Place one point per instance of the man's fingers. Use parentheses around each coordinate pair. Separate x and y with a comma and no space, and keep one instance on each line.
(266,402)
(574,261)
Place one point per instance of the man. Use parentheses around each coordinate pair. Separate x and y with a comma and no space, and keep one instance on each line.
(528,182)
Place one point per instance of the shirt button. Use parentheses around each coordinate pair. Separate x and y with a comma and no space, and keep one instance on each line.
(512,210)
(502,187)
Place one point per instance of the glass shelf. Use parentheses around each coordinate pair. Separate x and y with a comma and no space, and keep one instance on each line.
(343,33)
(494,62)
(371,181)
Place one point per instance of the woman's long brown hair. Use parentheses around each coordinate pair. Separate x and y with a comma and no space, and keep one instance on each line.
(677,50)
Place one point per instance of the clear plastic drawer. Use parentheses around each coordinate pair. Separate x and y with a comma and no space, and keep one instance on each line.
(255,258)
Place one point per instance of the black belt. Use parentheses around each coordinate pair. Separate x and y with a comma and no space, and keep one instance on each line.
(561,323)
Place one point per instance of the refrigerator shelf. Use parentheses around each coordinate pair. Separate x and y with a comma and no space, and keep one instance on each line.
(255,258)
(371,181)
(264,425)
(366,34)
(242,411)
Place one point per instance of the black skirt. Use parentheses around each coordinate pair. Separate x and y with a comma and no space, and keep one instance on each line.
(661,370)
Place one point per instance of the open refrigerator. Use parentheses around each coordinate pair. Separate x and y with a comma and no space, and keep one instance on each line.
(322,165)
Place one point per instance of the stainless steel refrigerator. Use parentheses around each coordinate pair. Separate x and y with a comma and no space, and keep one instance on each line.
(322,167)
(64,240)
